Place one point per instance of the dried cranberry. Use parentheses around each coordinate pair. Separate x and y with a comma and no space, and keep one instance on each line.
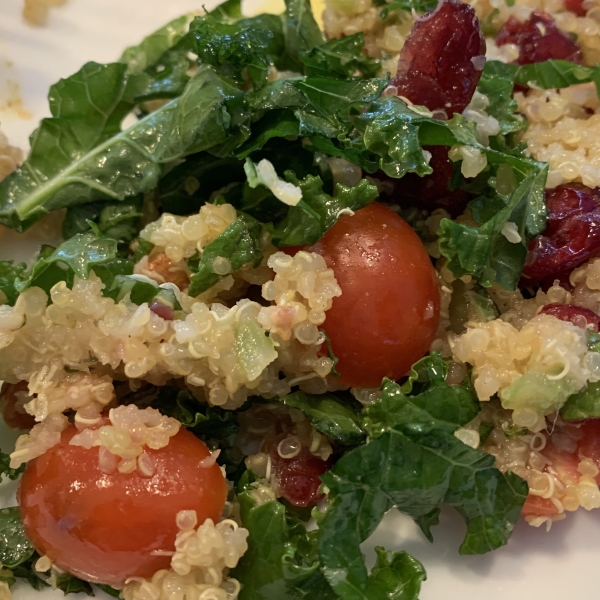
(11,405)
(162,310)
(574,314)
(538,39)
(433,191)
(297,479)
(575,6)
(442,58)
(571,237)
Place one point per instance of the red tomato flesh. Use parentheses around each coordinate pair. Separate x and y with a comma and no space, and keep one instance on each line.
(566,464)
(388,313)
(105,528)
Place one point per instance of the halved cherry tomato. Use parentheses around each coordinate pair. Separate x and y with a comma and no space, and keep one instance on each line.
(106,528)
(388,313)
(566,465)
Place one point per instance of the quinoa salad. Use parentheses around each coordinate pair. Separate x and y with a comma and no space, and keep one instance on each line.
(304,276)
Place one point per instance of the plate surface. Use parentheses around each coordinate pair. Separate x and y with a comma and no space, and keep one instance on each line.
(535,565)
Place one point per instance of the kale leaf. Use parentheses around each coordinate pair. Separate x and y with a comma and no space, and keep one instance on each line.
(281,561)
(118,220)
(80,154)
(9,274)
(583,405)
(415,463)
(342,58)
(233,48)
(15,548)
(239,244)
(76,257)
(497,86)
(317,212)
(6,471)
(337,418)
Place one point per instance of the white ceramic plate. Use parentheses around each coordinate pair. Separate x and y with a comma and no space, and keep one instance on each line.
(535,565)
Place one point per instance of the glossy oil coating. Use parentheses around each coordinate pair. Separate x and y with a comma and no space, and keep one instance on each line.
(106,528)
(388,313)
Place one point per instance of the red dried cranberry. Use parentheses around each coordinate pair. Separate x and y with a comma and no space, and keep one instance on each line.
(162,310)
(571,237)
(574,314)
(11,406)
(575,6)
(442,58)
(297,478)
(538,39)
(433,191)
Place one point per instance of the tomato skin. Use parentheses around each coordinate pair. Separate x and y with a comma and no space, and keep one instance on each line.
(388,313)
(566,465)
(104,528)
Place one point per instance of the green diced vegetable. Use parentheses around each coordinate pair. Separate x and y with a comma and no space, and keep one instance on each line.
(255,350)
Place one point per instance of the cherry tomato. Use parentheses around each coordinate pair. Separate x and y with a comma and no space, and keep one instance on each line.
(566,465)
(107,528)
(388,313)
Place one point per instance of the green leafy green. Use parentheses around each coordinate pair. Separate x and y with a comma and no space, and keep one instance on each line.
(239,244)
(548,75)
(153,47)
(111,591)
(407,5)
(281,561)
(80,155)
(307,222)
(141,290)
(415,463)
(583,405)
(15,548)
(336,418)
(398,574)
(342,58)
(75,257)
(301,34)
(231,48)
(9,274)
(118,220)
(69,584)
(6,471)
(485,252)
(189,185)
(497,86)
